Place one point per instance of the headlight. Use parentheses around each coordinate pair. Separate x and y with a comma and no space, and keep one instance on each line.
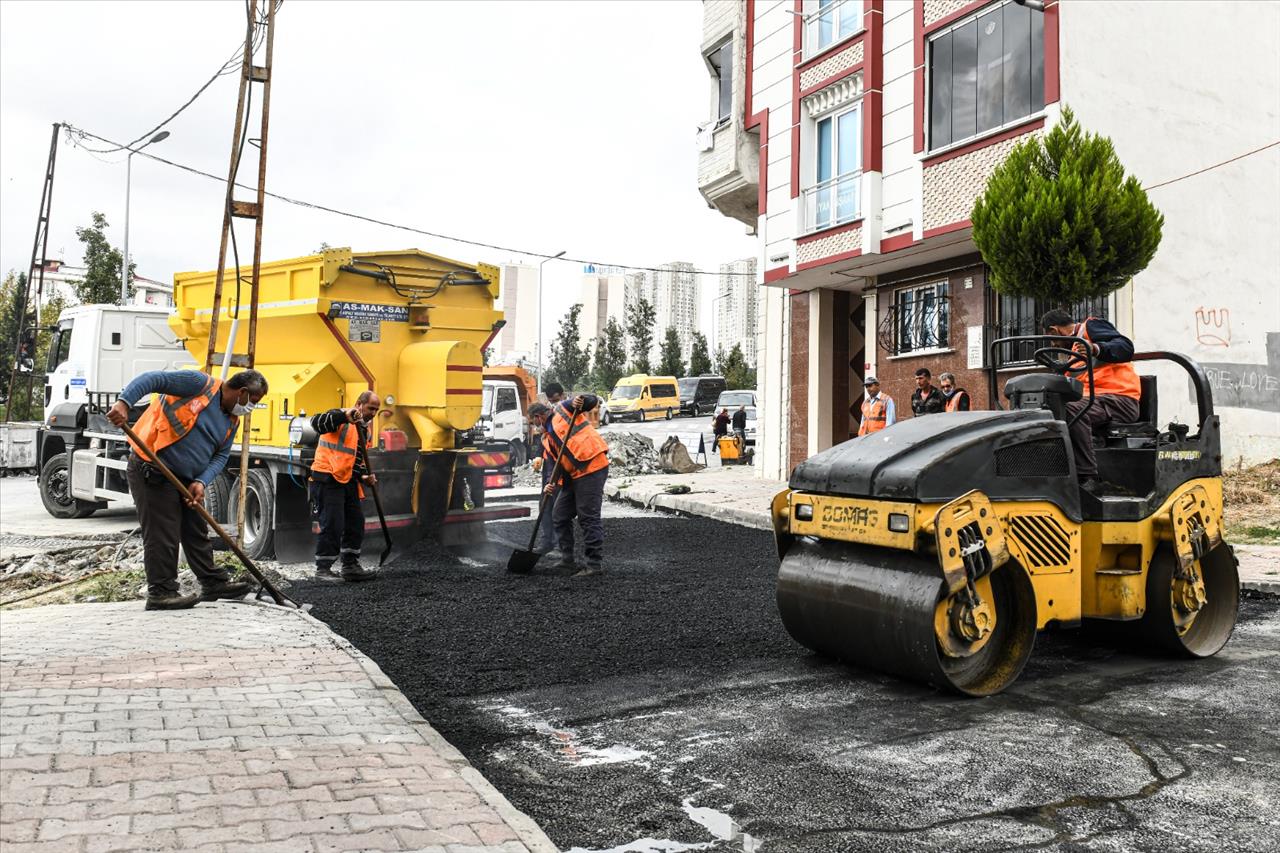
(804,512)
(899,522)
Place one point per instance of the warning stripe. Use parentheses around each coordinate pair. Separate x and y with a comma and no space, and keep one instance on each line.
(462,391)
(464,368)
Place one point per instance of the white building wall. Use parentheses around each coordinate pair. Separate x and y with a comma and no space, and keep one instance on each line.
(519,302)
(1200,93)
(900,166)
(603,297)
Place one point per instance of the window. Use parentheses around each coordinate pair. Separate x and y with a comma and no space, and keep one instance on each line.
(984,73)
(834,198)
(507,400)
(1020,315)
(59,347)
(665,390)
(833,21)
(721,61)
(922,318)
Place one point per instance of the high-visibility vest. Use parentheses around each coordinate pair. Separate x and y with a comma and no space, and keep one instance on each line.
(336,452)
(170,418)
(1117,379)
(874,415)
(585,451)
(953,405)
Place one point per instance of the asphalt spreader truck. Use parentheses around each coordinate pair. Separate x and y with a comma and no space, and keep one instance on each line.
(407,324)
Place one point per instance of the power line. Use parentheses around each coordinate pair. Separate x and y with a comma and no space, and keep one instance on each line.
(1214,166)
(79,133)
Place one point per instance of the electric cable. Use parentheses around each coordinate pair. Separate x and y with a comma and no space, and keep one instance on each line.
(1214,166)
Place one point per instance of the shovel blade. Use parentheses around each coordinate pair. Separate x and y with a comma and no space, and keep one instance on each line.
(522,562)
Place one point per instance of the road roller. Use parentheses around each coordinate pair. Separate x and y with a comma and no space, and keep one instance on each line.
(937,548)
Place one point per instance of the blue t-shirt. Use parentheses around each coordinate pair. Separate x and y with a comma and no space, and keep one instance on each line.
(200,455)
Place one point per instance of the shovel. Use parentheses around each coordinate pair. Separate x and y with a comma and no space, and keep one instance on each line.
(377,499)
(522,562)
(263,584)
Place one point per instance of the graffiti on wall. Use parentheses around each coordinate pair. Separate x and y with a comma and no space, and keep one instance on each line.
(1213,327)
(1247,386)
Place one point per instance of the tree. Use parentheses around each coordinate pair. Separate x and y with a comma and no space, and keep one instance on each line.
(610,357)
(640,319)
(699,356)
(101,282)
(736,372)
(721,359)
(1059,221)
(670,362)
(569,361)
(24,407)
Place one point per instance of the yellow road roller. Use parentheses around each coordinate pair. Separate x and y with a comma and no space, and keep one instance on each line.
(935,549)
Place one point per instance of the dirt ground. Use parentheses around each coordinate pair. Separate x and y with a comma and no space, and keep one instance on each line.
(1253,504)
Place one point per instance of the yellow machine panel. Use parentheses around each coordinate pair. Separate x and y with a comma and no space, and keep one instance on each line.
(409,324)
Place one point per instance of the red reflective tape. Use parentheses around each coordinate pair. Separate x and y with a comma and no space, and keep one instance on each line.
(464,368)
(475,391)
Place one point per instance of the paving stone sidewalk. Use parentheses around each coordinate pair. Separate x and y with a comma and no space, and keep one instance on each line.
(735,495)
(231,726)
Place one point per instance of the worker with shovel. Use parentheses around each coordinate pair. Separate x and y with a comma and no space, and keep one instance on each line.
(335,487)
(188,429)
(579,480)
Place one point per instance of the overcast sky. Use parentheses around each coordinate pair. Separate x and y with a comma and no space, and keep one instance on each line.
(538,125)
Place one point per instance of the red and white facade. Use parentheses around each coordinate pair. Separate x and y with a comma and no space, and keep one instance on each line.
(876,124)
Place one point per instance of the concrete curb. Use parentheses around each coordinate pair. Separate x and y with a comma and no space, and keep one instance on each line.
(529,833)
(688,504)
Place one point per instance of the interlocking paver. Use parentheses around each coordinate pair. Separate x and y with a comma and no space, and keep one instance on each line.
(226,727)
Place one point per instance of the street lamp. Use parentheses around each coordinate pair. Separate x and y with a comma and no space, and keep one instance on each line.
(538,387)
(128,179)
(715,318)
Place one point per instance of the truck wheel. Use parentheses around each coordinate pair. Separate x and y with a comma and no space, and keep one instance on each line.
(518,454)
(55,490)
(259,513)
(605,419)
(668,414)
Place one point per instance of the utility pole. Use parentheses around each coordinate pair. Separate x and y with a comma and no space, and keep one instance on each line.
(128,181)
(541,360)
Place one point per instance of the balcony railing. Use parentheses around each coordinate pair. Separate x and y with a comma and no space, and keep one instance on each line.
(832,202)
(830,23)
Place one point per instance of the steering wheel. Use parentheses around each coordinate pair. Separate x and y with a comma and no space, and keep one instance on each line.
(1050,357)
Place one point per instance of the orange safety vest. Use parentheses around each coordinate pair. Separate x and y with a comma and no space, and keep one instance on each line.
(874,415)
(169,418)
(336,452)
(953,405)
(1117,379)
(585,451)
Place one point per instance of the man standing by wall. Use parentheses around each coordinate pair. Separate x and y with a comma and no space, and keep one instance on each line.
(957,399)
(878,410)
(584,468)
(334,486)
(189,427)
(1116,387)
(926,400)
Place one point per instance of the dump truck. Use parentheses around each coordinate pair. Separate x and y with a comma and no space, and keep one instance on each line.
(407,324)
(504,419)
(936,548)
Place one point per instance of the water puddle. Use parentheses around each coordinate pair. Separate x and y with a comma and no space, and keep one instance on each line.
(569,746)
(720,825)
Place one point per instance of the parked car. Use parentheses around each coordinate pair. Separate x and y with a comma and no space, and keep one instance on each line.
(731,400)
(641,397)
(698,394)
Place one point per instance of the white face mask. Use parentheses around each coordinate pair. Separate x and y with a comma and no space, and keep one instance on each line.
(241,409)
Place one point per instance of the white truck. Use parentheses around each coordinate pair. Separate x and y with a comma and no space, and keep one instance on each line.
(95,351)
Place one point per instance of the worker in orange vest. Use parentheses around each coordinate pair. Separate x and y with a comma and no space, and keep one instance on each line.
(878,410)
(957,399)
(189,427)
(334,487)
(1116,387)
(584,468)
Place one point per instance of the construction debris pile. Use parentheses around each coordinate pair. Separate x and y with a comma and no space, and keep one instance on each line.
(631,454)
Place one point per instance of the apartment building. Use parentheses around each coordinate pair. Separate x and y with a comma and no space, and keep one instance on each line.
(519,300)
(737,308)
(674,294)
(865,129)
(603,298)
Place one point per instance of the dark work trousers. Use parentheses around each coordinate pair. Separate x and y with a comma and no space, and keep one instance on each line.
(167,522)
(336,507)
(546,530)
(1106,409)
(582,497)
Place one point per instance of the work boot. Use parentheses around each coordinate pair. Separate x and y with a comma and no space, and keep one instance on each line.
(171,601)
(355,573)
(1093,486)
(326,574)
(564,564)
(589,570)
(225,588)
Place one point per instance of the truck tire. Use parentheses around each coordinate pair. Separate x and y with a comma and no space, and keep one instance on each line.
(668,414)
(55,490)
(259,517)
(518,454)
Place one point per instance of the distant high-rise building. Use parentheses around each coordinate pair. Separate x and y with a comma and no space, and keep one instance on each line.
(737,307)
(519,301)
(604,297)
(636,287)
(675,301)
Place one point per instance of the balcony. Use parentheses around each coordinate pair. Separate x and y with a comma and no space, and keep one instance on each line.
(833,202)
(729,170)
(831,23)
